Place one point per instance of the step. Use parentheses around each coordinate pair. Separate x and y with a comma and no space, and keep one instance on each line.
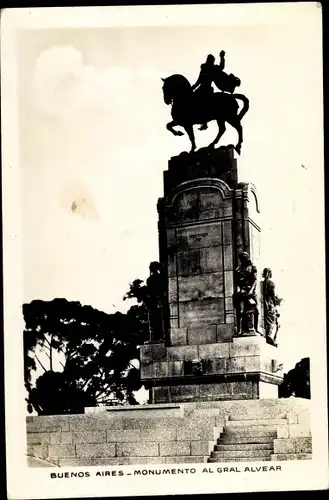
(255,423)
(250,432)
(241,459)
(241,453)
(275,409)
(186,459)
(242,428)
(292,456)
(233,439)
(117,461)
(247,447)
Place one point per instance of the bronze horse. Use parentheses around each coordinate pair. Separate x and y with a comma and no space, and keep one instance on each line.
(188,109)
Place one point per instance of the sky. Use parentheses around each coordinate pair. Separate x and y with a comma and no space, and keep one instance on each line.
(93,147)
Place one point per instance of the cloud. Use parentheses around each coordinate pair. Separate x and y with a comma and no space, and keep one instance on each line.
(63,86)
(58,72)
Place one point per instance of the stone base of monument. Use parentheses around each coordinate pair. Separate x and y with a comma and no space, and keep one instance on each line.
(244,368)
(199,432)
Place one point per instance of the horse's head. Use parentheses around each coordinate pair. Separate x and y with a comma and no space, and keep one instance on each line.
(175,86)
(167,91)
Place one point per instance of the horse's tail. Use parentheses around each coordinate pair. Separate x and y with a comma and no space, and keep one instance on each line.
(245,108)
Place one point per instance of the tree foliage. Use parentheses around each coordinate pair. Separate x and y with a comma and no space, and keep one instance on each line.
(297,381)
(138,313)
(86,356)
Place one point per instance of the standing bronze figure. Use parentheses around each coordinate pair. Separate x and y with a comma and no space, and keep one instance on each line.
(270,303)
(155,299)
(245,295)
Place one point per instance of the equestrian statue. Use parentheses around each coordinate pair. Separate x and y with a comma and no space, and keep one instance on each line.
(199,104)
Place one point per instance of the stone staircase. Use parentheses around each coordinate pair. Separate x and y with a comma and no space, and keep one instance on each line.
(247,440)
(201,432)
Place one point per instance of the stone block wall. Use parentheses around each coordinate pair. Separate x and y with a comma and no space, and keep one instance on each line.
(85,440)
(205,334)
(294,440)
(297,448)
(224,391)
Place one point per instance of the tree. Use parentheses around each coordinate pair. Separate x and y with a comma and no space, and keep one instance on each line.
(297,381)
(87,356)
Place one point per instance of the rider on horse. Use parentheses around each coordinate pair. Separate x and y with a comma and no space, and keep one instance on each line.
(203,85)
(209,73)
(206,76)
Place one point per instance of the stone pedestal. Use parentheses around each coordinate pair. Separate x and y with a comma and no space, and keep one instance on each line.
(243,368)
(206,218)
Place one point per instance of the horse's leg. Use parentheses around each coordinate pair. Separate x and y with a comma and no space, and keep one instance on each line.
(190,133)
(170,126)
(221,130)
(238,127)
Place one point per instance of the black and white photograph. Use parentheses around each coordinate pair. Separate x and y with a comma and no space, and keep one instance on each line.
(164,250)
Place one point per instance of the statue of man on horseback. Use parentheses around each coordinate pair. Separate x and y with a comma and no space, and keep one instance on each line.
(199,104)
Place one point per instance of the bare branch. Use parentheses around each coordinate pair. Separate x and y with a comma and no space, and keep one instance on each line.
(85,384)
(62,350)
(36,357)
(48,355)
(45,338)
(105,390)
(51,353)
